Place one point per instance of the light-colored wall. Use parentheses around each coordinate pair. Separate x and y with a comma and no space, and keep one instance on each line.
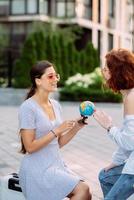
(118,26)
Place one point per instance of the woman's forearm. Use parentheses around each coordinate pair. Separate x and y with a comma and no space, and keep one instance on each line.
(64,139)
(37,144)
(124,138)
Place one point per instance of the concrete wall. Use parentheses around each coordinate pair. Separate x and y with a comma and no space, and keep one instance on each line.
(11,96)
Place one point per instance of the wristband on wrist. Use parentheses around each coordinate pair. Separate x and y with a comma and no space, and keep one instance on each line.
(53,133)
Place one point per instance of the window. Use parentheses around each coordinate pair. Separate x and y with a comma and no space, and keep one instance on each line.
(61,9)
(43,8)
(110,41)
(31,6)
(4,7)
(88,9)
(18,28)
(99,11)
(99,42)
(112,8)
(4,29)
(70,7)
(17,35)
(65,8)
(84,9)
(18,7)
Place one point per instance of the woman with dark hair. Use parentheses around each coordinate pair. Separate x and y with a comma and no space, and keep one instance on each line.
(117,179)
(43,174)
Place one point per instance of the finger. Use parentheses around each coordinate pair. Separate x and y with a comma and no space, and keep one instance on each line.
(96,118)
(78,119)
(97,115)
(71,123)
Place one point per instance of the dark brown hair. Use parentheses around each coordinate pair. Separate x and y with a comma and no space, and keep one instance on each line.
(121,66)
(36,72)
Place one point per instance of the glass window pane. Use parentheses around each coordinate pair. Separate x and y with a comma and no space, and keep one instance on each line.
(32,6)
(4,7)
(29,28)
(61,9)
(86,2)
(88,13)
(18,7)
(110,41)
(80,1)
(43,7)
(18,28)
(4,29)
(70,9)
(84,11)
(111,8)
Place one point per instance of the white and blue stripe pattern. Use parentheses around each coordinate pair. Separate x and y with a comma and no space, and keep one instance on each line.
(43,174)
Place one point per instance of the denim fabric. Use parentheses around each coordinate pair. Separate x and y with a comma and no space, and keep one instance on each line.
(115,185)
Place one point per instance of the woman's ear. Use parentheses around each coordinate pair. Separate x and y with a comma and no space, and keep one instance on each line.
(106,73)
(38,81)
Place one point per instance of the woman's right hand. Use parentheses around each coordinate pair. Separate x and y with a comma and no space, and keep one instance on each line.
(103,119)
(65,126)
(110,166)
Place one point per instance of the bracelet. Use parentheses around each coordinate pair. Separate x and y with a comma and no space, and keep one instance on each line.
(108,129)
(53,133)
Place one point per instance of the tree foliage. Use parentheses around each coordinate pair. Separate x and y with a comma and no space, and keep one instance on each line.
(58,46)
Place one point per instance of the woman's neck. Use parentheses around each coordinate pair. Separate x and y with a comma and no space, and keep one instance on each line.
(41,98)
(126,92)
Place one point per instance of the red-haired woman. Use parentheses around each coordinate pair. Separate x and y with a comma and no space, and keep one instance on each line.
(117,179)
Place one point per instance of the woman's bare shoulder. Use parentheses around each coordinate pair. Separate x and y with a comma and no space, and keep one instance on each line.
(129,103)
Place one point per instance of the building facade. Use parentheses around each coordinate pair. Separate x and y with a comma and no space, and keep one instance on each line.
(109,23)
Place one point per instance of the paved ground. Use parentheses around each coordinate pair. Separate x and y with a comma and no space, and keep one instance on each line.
(86,154)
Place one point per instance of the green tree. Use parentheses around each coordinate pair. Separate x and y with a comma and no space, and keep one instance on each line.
(90,59)
(23,65)
(56,53)
(58,46)
(40,45)
(63,52)
(49,48)
(71,59)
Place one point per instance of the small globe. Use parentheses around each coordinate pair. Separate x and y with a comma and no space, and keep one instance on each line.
(87,108)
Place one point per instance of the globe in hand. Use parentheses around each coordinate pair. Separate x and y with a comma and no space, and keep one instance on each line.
(86,108)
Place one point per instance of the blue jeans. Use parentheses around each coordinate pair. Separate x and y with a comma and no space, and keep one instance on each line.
(115,185)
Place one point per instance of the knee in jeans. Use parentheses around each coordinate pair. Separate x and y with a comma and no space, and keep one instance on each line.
(101,175)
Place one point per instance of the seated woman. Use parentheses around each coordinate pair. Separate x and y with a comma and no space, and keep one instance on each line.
(117,179)
(43,174)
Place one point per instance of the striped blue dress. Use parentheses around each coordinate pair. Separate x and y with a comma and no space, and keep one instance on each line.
(43,174)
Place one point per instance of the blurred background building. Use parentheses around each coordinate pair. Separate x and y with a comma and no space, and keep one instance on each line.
(106,23)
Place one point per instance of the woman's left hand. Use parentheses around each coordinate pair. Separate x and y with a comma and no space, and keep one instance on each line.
(78,125)
(103,119)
